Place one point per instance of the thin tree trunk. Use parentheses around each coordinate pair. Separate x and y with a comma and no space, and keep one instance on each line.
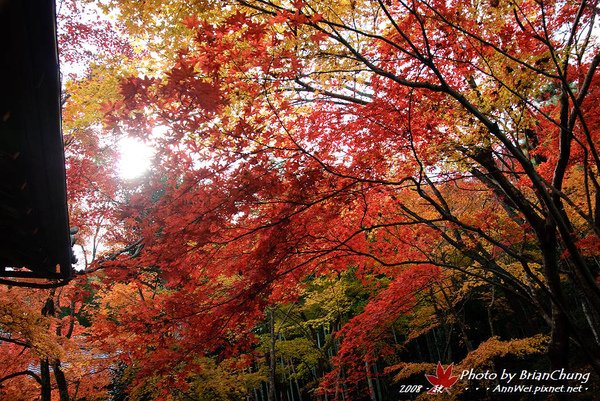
(49,309)
(46,388)
(559,337)
(272,394)
(370,382)
(61,381)
(590,319)
(377,381)
(489,312)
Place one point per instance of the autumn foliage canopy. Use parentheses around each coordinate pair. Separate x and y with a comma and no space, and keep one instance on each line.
(343,196)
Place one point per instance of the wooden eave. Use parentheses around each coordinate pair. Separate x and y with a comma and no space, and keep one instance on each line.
(34,225)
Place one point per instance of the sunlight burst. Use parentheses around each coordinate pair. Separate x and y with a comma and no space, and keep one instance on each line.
(136,157)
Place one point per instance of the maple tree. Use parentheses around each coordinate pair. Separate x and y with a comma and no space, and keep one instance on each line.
(306,138)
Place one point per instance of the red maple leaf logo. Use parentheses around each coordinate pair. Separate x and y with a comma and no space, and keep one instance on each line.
(442,380)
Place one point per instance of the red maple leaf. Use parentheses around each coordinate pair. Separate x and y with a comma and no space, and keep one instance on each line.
(442,380)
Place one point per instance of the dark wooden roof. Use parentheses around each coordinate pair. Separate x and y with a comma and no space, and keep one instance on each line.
(34,228)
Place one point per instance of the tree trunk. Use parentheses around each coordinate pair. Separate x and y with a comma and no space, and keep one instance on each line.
(272,395)
(49,309)
(559,337)
(61,381)
(46,388)
(370,382)
(591,320)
